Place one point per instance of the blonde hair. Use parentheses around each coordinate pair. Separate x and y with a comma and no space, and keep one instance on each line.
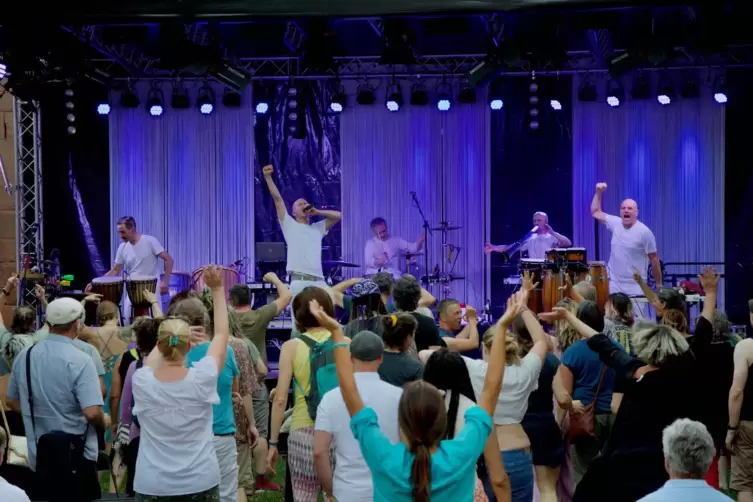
(512,348)
(107,311)
(565,333)
(173,338)
(676,319)
(655,344)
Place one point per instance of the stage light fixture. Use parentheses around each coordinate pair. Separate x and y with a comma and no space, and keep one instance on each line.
(444,96)
(615,94)
(720,91)
(155,102)
(205,101)
(496,104)
(261,96)
(338,99)
(231,99)
(587,92)
(179,99)
(666,93)
(3,70)
(641,88)
(419,96)
(104,108)
(690,90)
(556,104)
(495,95)
(129,99)
(365,94)
(467,94)
(394,97)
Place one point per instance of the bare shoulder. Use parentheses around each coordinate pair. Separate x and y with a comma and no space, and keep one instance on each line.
(744,348)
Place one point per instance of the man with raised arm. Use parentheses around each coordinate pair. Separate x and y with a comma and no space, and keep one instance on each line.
(633,245)
(303,238)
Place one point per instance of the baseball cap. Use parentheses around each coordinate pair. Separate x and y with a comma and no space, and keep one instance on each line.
(64,311)
(366,346)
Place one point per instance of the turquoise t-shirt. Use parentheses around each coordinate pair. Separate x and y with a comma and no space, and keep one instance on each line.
(453,465)
(223,418)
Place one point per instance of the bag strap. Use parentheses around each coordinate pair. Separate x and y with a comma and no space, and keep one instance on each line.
(598,387)
(28,386)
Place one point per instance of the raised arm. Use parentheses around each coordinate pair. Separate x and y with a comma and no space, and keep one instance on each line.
(276,197)
(542,343)
(155,303)
(496,368)
(596,211)
(427,299)
(468,338)
(331,218)
(6,292)
(218,347)
(709,280)
(284,297)
(561,239)
(650,295)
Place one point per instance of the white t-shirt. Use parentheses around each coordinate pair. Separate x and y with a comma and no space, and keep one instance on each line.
(392,246)
(518,383)
(630,248)
(352,477)
(538,245)
(12,493)
(304,245)
(140,258)
(176,453)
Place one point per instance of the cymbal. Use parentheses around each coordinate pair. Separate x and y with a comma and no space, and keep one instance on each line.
(446,228)
(339,263)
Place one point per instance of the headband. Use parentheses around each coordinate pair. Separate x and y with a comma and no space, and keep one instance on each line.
(394,320)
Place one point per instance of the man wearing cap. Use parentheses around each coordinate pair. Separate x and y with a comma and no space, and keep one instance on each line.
(351,480)
(65,396)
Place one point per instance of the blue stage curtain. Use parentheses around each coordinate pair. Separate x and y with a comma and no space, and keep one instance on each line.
(443,157)
(305,168)
(531,170)
(186,178)
(670,159)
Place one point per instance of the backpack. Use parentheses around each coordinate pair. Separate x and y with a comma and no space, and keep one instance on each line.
(323,377)
(624,336)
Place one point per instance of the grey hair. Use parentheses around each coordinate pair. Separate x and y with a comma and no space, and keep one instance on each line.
(586,290)
(655,343)
(541,213)
(688,448)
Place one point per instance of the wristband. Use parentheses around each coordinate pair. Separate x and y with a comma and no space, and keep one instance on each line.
(273,444)
(730,428)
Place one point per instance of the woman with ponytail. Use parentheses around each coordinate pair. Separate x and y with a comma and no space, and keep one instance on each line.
(424,466)
(398,367)
(176,458)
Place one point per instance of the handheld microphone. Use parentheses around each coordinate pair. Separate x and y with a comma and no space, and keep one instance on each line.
(308,208)
(533,230)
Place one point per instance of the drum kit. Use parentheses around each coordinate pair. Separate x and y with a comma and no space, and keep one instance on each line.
(552,272)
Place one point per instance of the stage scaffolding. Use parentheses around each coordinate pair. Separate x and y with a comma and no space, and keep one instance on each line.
(29,217)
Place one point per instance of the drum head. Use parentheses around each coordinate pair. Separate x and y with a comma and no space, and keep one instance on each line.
(136,277)
(107,279)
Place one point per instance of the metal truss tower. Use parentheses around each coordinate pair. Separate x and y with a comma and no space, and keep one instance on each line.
(29,222)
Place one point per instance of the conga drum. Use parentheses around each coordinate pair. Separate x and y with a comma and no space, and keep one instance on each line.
(136,287)
(597,275)
(110,287)
(554,280)
(536,269)
(575,256)
(230,277)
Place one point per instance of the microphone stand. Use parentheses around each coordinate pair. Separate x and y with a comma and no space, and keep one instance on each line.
(427,231)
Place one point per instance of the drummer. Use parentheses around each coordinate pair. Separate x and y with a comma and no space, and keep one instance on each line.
(539,240)
(138,254)
(381,250)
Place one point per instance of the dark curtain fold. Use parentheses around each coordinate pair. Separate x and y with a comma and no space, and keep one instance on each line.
(76,183)
(531,170)
(304,168)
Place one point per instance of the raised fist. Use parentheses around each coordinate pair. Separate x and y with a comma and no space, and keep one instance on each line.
(600,187)
(268,170)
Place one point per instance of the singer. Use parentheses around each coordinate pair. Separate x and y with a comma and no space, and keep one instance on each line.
(537,242)
(381,250)
(304,239)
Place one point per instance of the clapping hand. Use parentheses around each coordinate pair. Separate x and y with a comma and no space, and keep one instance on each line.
(527,282)
(471,314)
(150,297)
(268,170)
(709,279)
(324,320)
(39,291)
(12,282)
(212,278)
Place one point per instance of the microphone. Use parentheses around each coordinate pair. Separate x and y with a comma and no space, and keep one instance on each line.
(308,208)
(237,262)
(533,230)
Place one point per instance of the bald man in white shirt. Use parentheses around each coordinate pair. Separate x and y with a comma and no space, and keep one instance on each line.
(540,240)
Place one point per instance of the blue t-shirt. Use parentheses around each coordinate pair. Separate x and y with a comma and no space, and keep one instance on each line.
(446,334)
(453,465)
(586,367)
(223,419)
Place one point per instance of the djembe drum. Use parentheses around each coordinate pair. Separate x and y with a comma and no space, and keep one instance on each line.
(110,287)
(136,287)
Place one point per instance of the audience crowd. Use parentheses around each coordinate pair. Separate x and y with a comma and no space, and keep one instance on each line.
(585,403)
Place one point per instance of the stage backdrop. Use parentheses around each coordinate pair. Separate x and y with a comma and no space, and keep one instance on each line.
(186,178)
(444,158)
(670,159)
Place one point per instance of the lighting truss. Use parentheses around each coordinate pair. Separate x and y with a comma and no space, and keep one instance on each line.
(29,210)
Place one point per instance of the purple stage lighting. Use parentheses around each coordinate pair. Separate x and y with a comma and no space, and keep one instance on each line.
(496,104)
(393,105)
(261,108)
(3,70)
(103,109)
(720,97)
(555,104)
(155,110)
(613,101)
(663,99)
(443,103)
(206,108)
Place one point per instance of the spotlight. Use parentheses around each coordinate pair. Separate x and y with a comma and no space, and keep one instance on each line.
(444,99)
(231,99)
(641,88)
(496,104)
(3,70)
(419,96)
(666,94)
(71,130)
(615,94)
(555,104)
(155,102)
(338,99)
(205,100)
(720,91)
(261,97)
(365,94)
(587,92)
(129,99)
(467,95)
(394,97)
(179,99)
(496,95)
(103,108)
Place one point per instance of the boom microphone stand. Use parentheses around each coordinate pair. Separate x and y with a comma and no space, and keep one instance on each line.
(427,231)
